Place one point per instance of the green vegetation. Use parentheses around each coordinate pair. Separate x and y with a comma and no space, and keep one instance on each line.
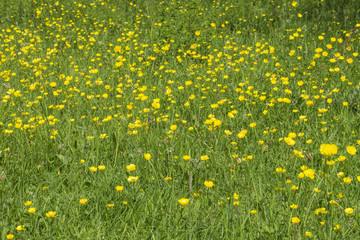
(179,119)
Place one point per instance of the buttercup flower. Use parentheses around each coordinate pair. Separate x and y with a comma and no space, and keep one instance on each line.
(351,150)
(209,184)
(184,201)
(132,179)
(328,149)
(50,214)
(295,220)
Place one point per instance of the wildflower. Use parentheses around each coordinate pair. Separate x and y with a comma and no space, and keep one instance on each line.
(209,184)
(309,173)
(130,167)
(50,214)
(101,167)
(289,141)
(337,227)
(351,150)
(294,206)
(328,149)
(295,220)
(110,205)
(196,195)
(347,180)
(83,201)
(242,133)
(119,188)
(253,211)
(186,157)
(28,203)
(132,179)
(173,127)
(227,132)
(20,228)
(184,201)
(308,234)
(10,236)
(124,203)
(236,203)
(93,169)
(349,210)
(147,156)
(298,153)
(205,157)
(32,210)
(167,178)
(236,196)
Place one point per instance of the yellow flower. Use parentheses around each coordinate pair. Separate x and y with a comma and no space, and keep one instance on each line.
(131,167)
(119,188)
(110,205)
(294,206)
(93,169)
(132,179)
(337,227)
(124,203)
(209,184)
(308,234)
(242,133)
(349,210)
(32,210)
(309,173)
(205,157)
(184,201)
(295,220)
(351,150)
(173,127)
(20,228)
(236,196)
(83,201)
(10,236)
(186,157)
(147,156)
(298,153)
(101,167)
(328,149)
(50,214)
(28,203)
(347,180)
(227,132)
(253,211)
(289,141)
(197,33)
(253,125)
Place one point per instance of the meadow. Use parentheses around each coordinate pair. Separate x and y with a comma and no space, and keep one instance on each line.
(190,119)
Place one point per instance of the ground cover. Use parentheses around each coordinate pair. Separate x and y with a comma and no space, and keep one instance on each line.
(179,119)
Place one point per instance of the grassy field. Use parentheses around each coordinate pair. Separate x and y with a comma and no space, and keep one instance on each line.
(171,119)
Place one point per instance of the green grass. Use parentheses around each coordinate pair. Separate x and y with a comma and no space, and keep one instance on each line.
(103,83)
